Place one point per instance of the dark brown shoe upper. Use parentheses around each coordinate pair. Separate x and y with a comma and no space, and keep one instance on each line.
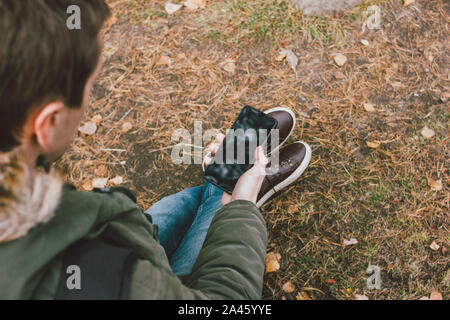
(285,124)
(291,158)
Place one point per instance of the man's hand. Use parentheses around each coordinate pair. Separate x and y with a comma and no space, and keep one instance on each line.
(249,184)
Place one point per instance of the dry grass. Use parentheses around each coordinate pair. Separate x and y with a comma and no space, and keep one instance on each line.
(379,196)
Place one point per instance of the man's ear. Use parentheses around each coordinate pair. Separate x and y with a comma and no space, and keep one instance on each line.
(45,122)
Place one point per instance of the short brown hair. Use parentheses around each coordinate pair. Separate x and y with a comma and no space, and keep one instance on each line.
(41,60)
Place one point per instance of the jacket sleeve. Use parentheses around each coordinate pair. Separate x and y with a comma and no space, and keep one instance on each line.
(229,266)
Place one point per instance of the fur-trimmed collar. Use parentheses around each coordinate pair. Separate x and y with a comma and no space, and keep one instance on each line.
(27,197)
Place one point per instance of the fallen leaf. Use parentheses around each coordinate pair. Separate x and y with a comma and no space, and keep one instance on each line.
(364,42)
(373,20)
(181,56)
(302,296)
(172,8)
(99,182)
(164,61)
(369,107)
(97,119)
(87,185)
(195,4)
(229,66)
(280,57)
(272,262)
(340,59)
(361,297)
(435,295)
(427,132)
(444,249)
(373,144)
(101,171)
(338,75)
(424,298)
(435,185)
(445,96)
(288,287)
(292,59)
(408,2)
(330,281)
(111,21)
(126,127)
(117,180)
(292,208)
(434,246)
(89,128)
(389,266)
(350,242)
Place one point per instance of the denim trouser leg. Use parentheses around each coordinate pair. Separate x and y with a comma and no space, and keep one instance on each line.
(183,220)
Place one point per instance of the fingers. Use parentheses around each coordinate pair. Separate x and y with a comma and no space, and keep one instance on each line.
(260,158)
(212,148)
(220,137)
(207,160)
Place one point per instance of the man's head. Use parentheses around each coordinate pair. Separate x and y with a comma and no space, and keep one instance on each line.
(46,72)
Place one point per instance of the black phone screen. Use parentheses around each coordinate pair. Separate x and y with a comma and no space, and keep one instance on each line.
(236,154)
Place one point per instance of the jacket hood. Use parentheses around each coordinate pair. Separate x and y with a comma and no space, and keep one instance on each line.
(27,197)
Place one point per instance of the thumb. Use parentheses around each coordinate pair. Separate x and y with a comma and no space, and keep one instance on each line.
(260,158)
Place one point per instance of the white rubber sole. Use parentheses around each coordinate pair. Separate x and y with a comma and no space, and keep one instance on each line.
(292,178)
(292,114)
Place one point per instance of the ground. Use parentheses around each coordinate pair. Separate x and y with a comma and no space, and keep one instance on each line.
(373,175)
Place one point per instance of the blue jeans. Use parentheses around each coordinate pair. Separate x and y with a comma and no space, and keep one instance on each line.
(183,220)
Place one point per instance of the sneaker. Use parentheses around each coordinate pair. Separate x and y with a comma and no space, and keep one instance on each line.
(286,124)
(294,159)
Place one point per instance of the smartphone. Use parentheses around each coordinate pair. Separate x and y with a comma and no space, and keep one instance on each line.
(235,155)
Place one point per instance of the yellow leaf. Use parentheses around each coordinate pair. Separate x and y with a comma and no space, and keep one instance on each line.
(89,128)
(340,59)
(229,66)
(435,295)
(373,144)
(87,185)
(434,246)
(99,182)
(126,127)
(117,180)
(288,287)
(195,4)
(338,75)
(369,107)
(111,21)
(302,296)
(272,262)
(96,119)
(435,185)
(164,61)
(445,96)
(292,208)
(171,8)
(280,57)
(427,132)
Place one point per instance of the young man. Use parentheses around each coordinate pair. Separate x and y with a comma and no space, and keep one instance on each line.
(59,243)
